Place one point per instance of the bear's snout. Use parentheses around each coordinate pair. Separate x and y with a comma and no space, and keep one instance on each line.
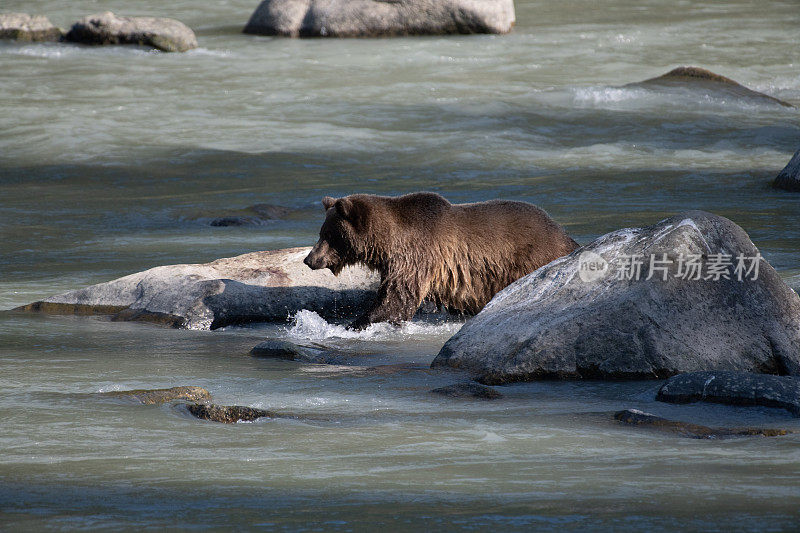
(314,263)
(316,257)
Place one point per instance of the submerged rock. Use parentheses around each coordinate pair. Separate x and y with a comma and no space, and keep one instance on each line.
(159,396)
(28,28)
(280,349)
(255,215)
(589,315)
(468,390)
(734,388)
(254,287)
(227,414)
(789,177)
(380,18)
(705,79)
(166,34)
(634,417)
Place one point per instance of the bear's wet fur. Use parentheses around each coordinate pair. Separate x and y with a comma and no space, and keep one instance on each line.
(425,248)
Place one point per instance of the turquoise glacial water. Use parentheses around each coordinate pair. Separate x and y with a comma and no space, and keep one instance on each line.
(113,160)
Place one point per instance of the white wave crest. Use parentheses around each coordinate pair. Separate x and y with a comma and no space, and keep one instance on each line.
(308,325)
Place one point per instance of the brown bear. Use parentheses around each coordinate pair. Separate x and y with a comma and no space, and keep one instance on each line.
(425,248)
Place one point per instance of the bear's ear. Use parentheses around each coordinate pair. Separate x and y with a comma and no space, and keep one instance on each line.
(328,202)
(354,211)
(344,206)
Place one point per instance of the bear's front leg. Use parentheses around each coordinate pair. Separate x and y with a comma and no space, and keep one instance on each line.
(394,303)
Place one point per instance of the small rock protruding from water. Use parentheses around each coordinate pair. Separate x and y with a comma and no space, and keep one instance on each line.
(167,35)
(280,349)
(159,396)
(227,414)
(368,18)
(28,28)
(789,177)
(255,215)
(701,78)
(634,417)
(470,390)
(733,388)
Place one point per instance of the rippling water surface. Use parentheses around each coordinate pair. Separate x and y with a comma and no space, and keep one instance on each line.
(113,160)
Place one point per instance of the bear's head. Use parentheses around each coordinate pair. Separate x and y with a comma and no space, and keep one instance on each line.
(342,236)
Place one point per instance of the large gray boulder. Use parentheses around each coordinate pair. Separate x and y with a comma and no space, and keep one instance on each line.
(380,18)
(705,80)
(166,34)
(733,388)
(789,177)
(28,28)
(581,317)
(254,287)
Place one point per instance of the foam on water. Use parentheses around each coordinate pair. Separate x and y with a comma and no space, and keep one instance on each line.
(685,98)
(65,51)
(308,325)
(603,95)
(209,52)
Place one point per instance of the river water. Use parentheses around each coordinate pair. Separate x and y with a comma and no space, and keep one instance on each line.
(113,160)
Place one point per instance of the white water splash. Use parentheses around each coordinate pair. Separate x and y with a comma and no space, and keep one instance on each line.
(602,95)
(209,53)
(308,325)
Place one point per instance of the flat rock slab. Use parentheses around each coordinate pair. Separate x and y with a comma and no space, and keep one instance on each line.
(634,417)
(227,414)
(700,78)
(380,18)
(591,315)
(28,28)
(167,35)
(254,287)
(469,391)
(733,388)
(789,177)
(159,396)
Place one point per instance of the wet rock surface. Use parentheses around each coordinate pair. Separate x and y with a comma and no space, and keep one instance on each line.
(165,34)
(227,414)
(634,417)
(567,320)
(733,388)
(281,349)
(254,287)
(380,18)
(789,177)
(28,28)
(700,78)
(468,390)
(159,396)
